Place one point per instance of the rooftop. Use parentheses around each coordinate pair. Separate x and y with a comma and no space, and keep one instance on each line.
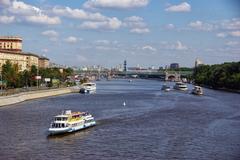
(10,38)
(19,53)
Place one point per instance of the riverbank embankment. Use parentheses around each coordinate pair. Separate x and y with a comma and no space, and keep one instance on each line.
(17,98)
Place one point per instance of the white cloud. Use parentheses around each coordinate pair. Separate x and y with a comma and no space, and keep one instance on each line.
(180,46)
(232,24)
(199,25)
(50,33)
(134,22)
(123,4)
(105,42)
(136,25)
(225,34)
(71,39)
(7,19)
(43,19)
(134,19)
(22,8)
(221,35)
(5,3)
(235,33)
(183,7)
(31,13)
(105,48)
(232,43)
(110,23)
(149,48)
(173,46)
(140,30)
(225,26)
(78,14)
(170,26)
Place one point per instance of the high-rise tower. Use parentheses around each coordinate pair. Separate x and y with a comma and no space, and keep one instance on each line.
(125,66)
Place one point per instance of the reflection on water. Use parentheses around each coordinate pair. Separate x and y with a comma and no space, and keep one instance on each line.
(152,125)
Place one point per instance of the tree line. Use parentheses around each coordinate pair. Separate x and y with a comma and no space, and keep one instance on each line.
(218,76)
(13,78)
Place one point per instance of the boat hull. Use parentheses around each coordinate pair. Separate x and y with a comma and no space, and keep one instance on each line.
(197,93)
(57,131)
(87,91)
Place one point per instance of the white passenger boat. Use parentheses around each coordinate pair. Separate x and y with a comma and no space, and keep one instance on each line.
(71,121)
(165,88)
(88,88)
(180,86)
(197,90)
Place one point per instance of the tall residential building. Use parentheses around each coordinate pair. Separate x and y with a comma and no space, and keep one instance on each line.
(174,66)
(11,43)
(43,62)
(198,62)
(125,66)
(11,49)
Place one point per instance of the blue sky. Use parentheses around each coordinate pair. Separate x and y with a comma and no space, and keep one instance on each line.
(144,32)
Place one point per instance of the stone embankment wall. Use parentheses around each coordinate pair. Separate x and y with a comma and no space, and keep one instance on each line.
(7,100)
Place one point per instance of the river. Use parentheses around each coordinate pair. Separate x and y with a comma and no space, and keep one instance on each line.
(153,125)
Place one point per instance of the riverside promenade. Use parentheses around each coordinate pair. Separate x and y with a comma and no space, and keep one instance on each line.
(20,97)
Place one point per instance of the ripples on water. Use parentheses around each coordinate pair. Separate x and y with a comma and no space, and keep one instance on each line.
(152,125)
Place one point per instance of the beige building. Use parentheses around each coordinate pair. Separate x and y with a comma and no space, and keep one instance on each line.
(43,62)
(11,43)
(11,49)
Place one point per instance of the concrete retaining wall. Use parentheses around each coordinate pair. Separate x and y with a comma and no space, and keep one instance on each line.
(7,100)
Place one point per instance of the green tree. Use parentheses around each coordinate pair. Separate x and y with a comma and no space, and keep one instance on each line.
(9,73)
(25,78)
(225,75)
(33,74)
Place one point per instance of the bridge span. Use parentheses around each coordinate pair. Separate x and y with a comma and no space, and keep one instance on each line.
(163,75)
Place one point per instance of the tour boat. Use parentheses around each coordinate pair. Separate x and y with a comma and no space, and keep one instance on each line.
(165,88)
(197,90)
(88,88)
(180,86)
(70,121)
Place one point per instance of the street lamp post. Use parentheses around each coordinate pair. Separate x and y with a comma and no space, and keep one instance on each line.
(1,81)
(37,77)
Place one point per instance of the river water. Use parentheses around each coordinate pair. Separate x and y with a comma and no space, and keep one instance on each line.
(153,125)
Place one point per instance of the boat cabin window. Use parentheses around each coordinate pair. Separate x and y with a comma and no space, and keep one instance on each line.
(58,125)
(60,118)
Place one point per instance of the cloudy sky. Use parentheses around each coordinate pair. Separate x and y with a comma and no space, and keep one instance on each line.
(144,32)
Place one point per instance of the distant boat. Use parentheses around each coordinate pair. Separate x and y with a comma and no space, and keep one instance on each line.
(71,121)
(130,80)
(124,103)
(184,80)
(180,86)
(88,88)
(197,90)
(165,88)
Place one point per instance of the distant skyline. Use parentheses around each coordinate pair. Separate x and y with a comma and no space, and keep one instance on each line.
(143,32)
